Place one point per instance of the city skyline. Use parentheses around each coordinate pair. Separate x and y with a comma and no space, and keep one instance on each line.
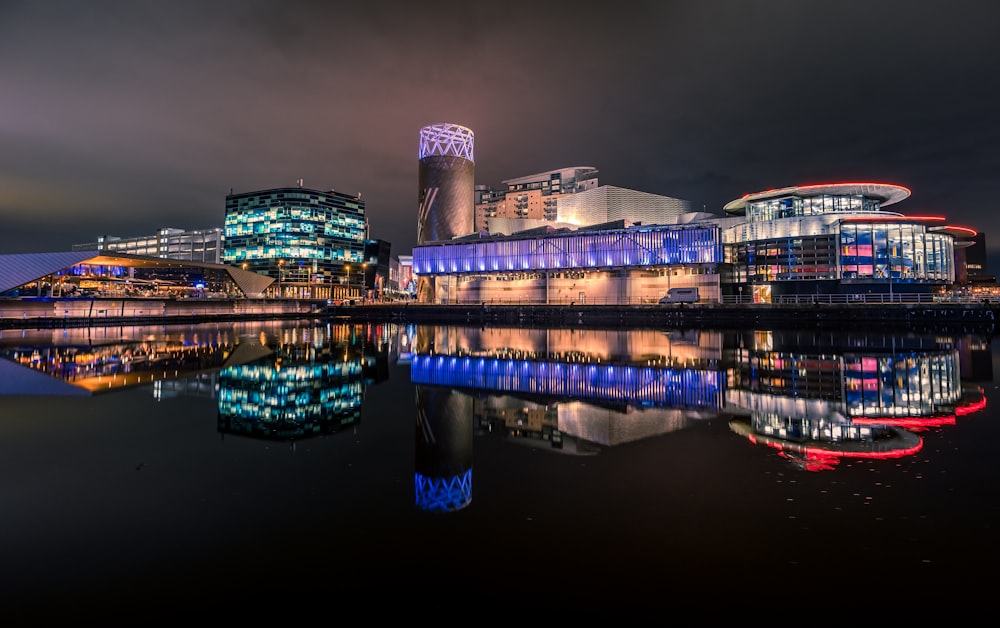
(123,118)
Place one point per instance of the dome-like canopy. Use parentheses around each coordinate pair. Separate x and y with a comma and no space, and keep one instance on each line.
(886,193)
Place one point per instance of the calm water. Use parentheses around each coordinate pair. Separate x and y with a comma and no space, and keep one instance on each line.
(292,466)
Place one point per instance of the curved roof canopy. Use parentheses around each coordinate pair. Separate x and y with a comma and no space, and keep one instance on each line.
(21,268)
(886,193)
(955,231)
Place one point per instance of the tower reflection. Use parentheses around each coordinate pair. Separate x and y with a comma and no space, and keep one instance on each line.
(569,391)
(443,478)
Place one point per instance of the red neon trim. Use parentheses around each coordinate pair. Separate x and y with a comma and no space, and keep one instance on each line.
(829,457)
(968,230)
(973,407)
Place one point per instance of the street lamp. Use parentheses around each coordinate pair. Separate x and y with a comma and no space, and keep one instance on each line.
(281,270)
(347,267)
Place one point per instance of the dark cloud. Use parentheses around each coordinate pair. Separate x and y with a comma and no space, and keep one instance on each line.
(124,117)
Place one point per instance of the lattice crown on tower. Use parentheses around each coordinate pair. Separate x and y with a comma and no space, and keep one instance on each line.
(447,139)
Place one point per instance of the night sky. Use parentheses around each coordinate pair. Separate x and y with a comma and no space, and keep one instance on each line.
(120,118)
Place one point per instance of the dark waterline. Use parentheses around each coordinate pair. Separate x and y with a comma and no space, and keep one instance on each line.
(161,496)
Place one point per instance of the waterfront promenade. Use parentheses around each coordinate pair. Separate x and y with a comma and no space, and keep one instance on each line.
(971,316)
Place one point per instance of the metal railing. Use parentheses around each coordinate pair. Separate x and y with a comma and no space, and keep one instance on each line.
(801,299)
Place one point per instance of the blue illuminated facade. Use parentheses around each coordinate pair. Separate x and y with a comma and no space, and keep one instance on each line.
(310,241)
(627,384)
(615,264)
(576,250)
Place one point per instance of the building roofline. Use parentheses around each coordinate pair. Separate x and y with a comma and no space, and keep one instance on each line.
(536,176)
(21,268)
(887,193)
(295,188)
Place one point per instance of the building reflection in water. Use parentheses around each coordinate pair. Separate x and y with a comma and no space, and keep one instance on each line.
(306,382)
(91,361)
(278,380)
(569,391)
(821,397)
(818,397)
(603,387)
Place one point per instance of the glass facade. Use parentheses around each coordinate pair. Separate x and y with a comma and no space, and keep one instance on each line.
(310,241)
(897,251)
(902,252)
(837,237)
(797,206)
(903,384)
(589,250)
(787,259)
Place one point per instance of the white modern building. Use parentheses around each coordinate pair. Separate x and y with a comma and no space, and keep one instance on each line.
(204,245)
(800,241)
(608,203)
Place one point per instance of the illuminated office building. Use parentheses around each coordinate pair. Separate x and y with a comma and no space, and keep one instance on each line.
(569,197)
(530,198)
(204,245)
(404,278)
(975,262)
(377,269)
(310,241)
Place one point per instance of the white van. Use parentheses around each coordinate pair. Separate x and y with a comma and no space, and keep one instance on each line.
(680,295)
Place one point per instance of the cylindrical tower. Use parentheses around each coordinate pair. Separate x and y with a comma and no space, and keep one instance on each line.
(443,474)
(447,183)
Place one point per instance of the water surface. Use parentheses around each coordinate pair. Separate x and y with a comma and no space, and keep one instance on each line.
(289,466)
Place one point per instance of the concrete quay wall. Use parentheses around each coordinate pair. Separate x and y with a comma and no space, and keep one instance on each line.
(977,318)
(47,313)
(55,313)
